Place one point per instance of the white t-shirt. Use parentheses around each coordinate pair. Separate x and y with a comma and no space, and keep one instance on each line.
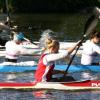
(51,58)
(13,50)
(90,53)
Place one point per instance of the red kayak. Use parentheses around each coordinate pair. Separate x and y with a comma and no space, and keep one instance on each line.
(77,85)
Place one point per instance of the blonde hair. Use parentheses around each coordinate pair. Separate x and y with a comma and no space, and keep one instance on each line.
(51,43)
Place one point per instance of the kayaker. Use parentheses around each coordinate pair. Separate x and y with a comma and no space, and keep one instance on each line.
(91,50)
(47,60)
(14,48)
(20,35)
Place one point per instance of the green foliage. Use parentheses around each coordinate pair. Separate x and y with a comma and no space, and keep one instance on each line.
(48,5)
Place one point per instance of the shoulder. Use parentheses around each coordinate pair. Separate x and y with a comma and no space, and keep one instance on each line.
(97,46)
(11,43)
(88,41)
(8,42)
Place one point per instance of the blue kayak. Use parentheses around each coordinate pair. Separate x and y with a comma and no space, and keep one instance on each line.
(76,68)
(72,68)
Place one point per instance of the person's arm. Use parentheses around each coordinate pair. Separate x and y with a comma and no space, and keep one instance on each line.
(71,49)
(57,56)
(23,50)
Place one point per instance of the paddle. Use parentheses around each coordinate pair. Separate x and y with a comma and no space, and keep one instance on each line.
(89,26)
(6,25)
(20,35)
(8,15)
(8,22)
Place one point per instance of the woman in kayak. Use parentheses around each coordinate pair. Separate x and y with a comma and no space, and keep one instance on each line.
(47,60)
(14,48)
(91,50)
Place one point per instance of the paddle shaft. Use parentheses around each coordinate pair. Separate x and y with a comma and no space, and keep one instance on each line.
(8,18)
(34,43)
(8,15)
(73,56)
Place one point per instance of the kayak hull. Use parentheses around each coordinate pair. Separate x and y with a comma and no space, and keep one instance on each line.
(77,85)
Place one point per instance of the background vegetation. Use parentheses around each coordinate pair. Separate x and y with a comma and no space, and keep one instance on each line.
(47,6)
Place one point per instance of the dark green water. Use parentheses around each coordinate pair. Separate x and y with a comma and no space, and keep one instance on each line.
(69,27)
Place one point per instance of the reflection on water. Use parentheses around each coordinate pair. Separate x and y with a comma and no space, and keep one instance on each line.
(49,95)
(18,77)
(43,94)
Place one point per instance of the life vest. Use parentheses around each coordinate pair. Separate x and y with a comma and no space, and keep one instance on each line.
(41,70)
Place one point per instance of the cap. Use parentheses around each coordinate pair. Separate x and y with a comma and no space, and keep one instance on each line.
(19,37)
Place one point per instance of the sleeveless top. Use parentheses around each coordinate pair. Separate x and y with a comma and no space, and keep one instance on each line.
(39,74)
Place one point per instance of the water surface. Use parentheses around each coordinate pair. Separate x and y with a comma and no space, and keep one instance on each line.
(70,27)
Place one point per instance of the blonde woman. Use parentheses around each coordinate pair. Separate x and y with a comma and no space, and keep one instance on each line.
(47,60)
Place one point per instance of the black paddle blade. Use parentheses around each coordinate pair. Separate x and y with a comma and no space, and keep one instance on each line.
(90,24)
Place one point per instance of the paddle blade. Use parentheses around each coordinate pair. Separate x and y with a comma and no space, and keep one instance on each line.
(90,25)
(97,12)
